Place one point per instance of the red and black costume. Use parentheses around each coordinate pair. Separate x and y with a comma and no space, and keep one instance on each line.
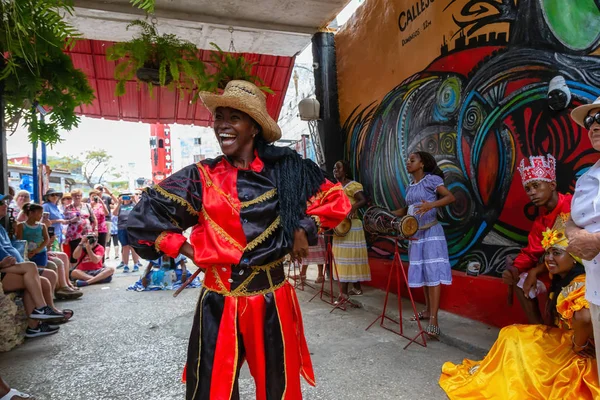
(247,310)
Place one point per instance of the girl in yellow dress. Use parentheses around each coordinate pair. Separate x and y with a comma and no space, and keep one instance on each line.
(538,361)
(350,252)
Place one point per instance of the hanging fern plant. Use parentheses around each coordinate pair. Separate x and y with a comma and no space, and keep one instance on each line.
(157,60)
(231,67)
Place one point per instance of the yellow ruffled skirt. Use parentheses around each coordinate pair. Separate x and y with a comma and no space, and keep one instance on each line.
(527,362)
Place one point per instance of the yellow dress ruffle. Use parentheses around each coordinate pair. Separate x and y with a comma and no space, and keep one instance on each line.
(529,362)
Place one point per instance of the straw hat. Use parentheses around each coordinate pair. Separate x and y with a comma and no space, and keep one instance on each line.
(51,192)
(245,96)
(578,114)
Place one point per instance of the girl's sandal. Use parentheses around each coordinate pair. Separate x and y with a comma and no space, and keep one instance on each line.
(68,314)
(433,331)
(354,292)
(420,316)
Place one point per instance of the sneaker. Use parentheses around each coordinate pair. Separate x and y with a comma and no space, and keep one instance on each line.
(46,313)
(121,265)
(136,268)
(126,269)
(43,329)
(81,283)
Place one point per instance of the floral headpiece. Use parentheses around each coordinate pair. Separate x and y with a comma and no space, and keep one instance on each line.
(540,169)
(556,236)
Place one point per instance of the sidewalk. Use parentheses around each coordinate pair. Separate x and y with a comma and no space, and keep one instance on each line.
(465,334)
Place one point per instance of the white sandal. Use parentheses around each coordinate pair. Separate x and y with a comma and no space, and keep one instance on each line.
(14,392)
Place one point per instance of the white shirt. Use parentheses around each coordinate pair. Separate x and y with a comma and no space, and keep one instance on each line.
(585,212)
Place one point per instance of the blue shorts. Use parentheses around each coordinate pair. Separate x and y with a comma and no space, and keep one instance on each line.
(123,238)
(40,259)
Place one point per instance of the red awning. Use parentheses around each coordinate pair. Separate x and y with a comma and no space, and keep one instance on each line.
(166,106)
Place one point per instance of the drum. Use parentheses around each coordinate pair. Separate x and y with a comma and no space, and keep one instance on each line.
(408,226)
(379,221)
(343,228)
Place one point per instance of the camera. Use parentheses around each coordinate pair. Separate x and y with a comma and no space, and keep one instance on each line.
(91,239)
(126,197)
(50,231)
(96,199)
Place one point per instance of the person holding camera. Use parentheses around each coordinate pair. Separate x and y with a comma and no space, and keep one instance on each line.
(89,268)
(100,211)
(124,207)
(82,221)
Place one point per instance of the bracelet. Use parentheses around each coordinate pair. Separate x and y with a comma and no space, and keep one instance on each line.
(576,345)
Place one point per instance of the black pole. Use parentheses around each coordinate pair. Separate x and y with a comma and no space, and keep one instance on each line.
(326,91)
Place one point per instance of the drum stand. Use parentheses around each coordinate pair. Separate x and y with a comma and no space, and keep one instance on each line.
(295,273)
(398,266)
(329,297)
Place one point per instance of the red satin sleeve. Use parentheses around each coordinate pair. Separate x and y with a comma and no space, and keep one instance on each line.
(170,243)
(329,206)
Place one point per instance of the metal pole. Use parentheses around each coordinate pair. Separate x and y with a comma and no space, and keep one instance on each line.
(35,172)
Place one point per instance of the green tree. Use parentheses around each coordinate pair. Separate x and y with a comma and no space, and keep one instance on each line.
(96,166)
(69,163)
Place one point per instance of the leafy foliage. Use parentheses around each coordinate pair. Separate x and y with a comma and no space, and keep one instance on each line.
(35,70)
(146,5)
(68,163)
(171,56)
(229,68)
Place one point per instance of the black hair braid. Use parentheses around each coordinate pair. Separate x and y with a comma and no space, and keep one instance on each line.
(430,166)
(297,181)
(556,286)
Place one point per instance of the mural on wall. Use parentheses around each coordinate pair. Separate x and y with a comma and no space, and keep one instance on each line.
(480,107)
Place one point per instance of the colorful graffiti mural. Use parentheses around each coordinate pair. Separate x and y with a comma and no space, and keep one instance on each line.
(480,107)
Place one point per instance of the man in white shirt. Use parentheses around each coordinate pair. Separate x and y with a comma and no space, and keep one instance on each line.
(583,230)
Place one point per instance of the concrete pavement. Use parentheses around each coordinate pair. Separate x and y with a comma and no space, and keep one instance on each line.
(129,345)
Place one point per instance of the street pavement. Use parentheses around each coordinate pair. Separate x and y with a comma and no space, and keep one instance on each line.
(132,345)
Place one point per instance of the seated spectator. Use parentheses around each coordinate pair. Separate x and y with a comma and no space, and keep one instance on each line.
(17,204)
(165,264)
(89,268)
(6,393)
(16,275)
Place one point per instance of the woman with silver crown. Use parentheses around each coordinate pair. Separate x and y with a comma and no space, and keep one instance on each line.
(552,361)
(249,209)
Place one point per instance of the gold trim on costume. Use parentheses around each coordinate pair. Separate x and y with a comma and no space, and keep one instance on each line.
(322,195)
(159,239)
(199,344)
(220,231)
(235,360)
(209,183)
(176,199)
(283,341)
(263,197)
(263,236)
(317,220)
(242,289)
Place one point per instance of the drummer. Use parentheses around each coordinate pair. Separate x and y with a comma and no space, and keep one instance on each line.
(428,253)
(350,251)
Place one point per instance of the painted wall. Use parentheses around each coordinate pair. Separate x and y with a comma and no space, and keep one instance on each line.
(467,80)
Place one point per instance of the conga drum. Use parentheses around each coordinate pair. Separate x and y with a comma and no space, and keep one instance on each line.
(343,228)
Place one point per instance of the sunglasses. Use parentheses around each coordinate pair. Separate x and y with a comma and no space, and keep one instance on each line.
(590,119)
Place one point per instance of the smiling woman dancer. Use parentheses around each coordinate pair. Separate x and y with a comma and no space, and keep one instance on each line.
(249,208)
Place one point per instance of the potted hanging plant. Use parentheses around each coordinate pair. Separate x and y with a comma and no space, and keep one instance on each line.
(231,67)
(157,60)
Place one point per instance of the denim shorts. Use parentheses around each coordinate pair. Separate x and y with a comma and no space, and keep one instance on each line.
(123,238)
(40,259)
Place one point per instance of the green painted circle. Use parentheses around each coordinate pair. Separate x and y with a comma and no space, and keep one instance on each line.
(575,23)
